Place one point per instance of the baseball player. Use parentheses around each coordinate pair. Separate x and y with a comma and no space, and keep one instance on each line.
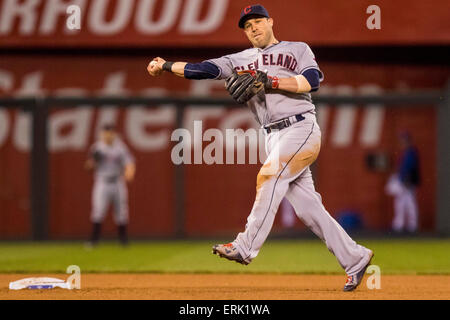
(274,78)
(403,185)
(113,164)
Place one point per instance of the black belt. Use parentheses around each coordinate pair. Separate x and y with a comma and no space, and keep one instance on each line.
(111,179)
(283,123)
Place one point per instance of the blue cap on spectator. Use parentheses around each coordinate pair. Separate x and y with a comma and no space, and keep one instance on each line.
(254,10)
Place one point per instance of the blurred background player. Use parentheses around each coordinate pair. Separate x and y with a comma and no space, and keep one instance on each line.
(402,186)
(113,164)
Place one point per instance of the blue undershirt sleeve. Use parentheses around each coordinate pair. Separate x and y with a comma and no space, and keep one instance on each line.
(202,70)
(313,77)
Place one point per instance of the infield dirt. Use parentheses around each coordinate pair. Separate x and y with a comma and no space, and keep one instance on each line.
(232,286)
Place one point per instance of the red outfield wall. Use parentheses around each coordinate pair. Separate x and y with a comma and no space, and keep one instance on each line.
(213,192)
(208,23)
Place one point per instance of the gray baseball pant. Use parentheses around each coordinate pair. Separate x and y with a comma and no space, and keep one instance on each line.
(286,173)
(106,193)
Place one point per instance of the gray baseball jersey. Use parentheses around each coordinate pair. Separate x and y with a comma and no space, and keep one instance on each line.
(110,187)
(110,160)
(283,60)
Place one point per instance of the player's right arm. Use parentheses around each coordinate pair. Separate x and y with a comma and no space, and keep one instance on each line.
(94,157)
(89,164)
(194,71)
(157,66)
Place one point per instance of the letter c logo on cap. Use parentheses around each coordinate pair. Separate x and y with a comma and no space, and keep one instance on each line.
(247,9)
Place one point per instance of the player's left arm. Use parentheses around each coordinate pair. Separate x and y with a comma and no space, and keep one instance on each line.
(309,81)
(308,76)
(129,165)
(130,171)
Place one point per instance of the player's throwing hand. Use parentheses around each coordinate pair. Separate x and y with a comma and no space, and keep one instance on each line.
(155,67)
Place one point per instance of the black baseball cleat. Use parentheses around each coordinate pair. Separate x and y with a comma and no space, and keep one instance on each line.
(228,251)
(354,280)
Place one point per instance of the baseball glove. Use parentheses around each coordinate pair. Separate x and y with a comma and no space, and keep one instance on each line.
(97,156)
(244,85)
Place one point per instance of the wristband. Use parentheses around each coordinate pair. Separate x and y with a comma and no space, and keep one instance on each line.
(275,82)
(167,66)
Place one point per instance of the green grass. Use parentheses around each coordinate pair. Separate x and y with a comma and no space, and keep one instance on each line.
(405,256)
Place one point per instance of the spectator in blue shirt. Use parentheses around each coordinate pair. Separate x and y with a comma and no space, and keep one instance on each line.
(406,180)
